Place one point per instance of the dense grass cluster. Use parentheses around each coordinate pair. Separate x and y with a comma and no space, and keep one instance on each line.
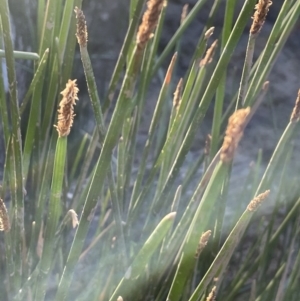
(127,225)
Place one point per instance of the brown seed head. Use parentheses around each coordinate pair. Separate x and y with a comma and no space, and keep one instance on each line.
(296,111)
(266,85)
(66,110)
(177,95)
(209,54)
(74,218)
(209,33)
(261,10)
(254,204)
(4,219)
(169,73)
(233,134)
(202,243)
(184,13)
(212,295)
(149,22)
(81,34)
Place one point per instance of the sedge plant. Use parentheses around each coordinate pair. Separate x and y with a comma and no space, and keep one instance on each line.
(111,220)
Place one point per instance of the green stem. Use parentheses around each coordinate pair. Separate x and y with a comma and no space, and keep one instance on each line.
(53,215)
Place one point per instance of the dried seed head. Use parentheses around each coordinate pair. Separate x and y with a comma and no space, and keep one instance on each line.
(212,295)
(177,95)
(74,218)
(66,110)
(261,10)
(149,22)
(40,242)
(296,111)
(265,85)
(169,73)
(81,34)
(233,134)
(254,204)
(184,13)
(202,243)
(209,54)
(4,219)
(209,33)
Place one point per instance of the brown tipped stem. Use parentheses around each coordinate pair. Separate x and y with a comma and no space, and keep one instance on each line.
(209,54)
(184,13)
(177,95)
(296,111)
(262,8)
(170,69)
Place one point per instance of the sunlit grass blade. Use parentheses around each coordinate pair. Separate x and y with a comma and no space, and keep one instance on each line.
(127,284)
(34,115)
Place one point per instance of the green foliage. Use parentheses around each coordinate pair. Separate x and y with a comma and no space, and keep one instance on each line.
(140,220)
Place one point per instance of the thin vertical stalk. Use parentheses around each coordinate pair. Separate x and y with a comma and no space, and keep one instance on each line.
(92,89)
(34,112)
(53,214)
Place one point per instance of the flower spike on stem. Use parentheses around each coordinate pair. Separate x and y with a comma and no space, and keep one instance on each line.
(4,219)
(234,133)
(66,110)
(150,19)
